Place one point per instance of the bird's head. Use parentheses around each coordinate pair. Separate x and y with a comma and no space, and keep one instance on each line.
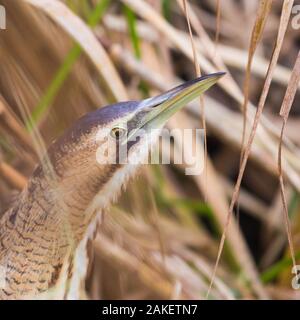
(87,158)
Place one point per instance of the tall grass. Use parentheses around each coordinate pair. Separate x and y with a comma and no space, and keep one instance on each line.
(163,237)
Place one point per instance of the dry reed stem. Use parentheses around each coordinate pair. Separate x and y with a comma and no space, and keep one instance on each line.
(218,22)
(257,32)
(198,74)
(81,33)
(12,124)
(149,276)
(284,20)
(231,56)
(284,112)
(12,176)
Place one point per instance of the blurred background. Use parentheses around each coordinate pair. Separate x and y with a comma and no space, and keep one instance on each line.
(62,59)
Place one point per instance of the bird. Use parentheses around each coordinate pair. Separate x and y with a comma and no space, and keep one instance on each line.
(44,234)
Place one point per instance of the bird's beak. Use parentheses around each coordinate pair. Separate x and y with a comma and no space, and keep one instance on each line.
(155,112)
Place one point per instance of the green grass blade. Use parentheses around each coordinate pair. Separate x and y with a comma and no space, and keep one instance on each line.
(166,9)
(132,28)
(135,40)
(271,273)
(64,70)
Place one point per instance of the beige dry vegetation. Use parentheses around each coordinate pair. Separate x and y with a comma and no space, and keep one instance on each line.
(61,59)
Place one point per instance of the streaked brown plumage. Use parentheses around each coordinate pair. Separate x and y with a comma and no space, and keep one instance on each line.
(43,236)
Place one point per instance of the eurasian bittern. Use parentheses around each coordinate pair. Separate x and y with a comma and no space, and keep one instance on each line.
(43,236)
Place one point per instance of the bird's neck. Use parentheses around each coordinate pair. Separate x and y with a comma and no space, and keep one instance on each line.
(50,225)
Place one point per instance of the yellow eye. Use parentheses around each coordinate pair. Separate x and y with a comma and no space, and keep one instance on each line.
(118,133)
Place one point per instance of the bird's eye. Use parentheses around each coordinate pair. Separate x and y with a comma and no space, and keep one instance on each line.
(118,133)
